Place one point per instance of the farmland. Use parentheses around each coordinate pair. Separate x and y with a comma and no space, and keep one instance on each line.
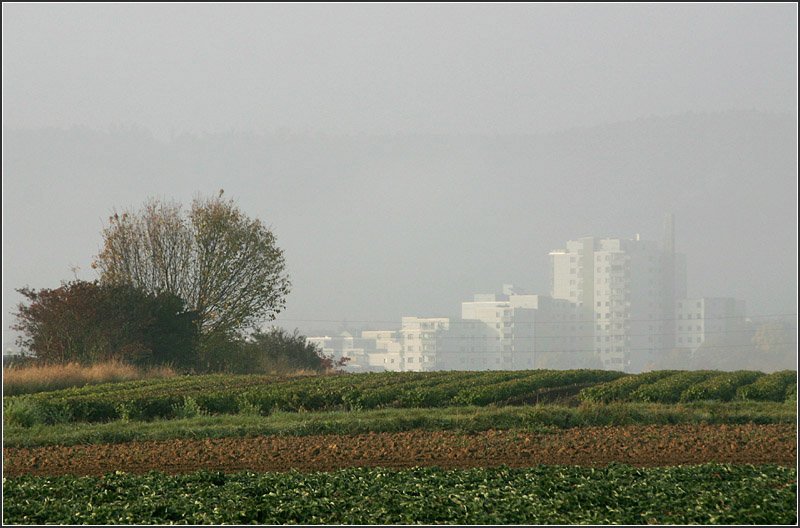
(616,494)
(236,446)
(220,394)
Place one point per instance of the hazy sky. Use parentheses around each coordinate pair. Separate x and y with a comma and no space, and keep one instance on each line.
(390,68)
(378,228)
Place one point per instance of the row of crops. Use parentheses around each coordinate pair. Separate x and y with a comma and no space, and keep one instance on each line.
(616,494)
(219,394)
(670,386)
(148,400)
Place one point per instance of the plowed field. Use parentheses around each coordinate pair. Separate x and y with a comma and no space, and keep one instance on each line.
(587,446)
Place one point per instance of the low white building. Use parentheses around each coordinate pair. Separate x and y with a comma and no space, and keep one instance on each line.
(699,319)
(388,351)
(422,340)
(513,331)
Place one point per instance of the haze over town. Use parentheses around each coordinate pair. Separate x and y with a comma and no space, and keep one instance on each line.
(408,157)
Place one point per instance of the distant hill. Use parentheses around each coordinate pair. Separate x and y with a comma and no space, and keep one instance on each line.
(376,227)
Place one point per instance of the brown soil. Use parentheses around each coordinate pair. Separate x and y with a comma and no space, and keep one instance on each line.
(587,446)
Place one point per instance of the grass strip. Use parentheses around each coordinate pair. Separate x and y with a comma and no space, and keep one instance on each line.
(538,418)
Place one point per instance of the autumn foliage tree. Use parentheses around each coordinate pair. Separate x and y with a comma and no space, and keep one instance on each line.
(225,265)
(88,322)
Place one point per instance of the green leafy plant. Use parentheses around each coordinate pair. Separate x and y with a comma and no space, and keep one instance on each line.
(188,409)
(567,495)
(772,387)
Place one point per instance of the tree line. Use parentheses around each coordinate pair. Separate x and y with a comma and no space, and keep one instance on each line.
(185,288)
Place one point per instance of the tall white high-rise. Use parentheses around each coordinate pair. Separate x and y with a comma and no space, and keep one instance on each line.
(627,289)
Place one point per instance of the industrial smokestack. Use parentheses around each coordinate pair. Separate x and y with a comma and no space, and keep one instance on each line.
(668,243)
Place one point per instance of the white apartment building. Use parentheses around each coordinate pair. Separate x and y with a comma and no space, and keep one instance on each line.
(626,287)
(699,319)
(421,340)
(513,331)
(388,351)
(615,303)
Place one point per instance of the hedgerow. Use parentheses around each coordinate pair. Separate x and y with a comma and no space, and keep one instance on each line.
(228,394)
(669,389)
(620,389)
(721,387)
(772,387)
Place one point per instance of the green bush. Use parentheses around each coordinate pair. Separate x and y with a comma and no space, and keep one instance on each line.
(669,389)
(21,411)
(791,393)
(772,387)
(505,390)
(188,409)
(621,389)
(721,387)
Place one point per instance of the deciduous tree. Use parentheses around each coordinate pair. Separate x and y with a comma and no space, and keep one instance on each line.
(225,265)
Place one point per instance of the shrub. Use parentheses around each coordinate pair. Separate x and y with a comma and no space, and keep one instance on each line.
(621,389)
(88,322)
(772,387)
(506,390)
(720,387)
(246,407)
(26,411)
(669,389)
(20,411)
(791,392)
(188,409)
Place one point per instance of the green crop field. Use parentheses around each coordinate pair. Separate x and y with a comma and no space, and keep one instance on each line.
(220,394)
(617,494)
(227,408)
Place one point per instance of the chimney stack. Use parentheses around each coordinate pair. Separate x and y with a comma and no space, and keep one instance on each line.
(668,243)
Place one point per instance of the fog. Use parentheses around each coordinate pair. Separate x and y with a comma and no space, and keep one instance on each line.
(409,156)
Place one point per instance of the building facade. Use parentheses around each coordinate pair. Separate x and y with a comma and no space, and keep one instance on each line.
(626,288)
(700,319)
